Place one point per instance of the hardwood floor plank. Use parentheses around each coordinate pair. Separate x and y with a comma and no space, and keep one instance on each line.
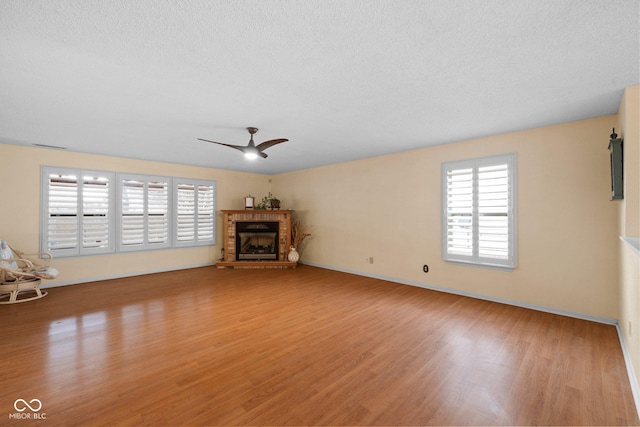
(303,346)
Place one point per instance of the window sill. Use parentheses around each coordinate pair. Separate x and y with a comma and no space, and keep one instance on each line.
(486,266)
(633,243)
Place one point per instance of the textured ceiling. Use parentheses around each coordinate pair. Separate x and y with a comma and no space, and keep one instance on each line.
(341,79)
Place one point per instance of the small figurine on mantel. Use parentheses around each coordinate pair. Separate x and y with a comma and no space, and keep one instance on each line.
(249,202)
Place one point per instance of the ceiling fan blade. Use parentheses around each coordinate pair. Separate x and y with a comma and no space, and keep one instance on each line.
(264,155)
(237,147)
(271,143)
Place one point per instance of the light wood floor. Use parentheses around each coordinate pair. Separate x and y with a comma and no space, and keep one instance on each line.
(302,347)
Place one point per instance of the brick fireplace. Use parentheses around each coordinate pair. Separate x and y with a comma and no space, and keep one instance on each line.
(241,251)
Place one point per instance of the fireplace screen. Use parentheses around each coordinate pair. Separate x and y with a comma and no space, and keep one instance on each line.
(256,241)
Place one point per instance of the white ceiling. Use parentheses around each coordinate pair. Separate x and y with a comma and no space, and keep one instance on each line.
(341,79)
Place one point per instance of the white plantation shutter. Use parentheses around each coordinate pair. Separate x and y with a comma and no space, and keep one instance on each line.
(158,207)
(479,211)
(206,213)
(96,220)
(186,208)
(195,212)
(493,212)
(144,212)
(62,222)
(76,218)
(460,211)
(132,212)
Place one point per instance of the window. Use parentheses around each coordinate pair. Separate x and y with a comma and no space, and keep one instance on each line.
(144,212)
(195,212)
(89,212)
(76,216)
(478,219)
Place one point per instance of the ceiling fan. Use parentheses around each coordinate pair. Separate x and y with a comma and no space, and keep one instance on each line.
(251,151)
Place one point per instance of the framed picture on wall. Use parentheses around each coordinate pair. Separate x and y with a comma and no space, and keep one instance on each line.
(615,153)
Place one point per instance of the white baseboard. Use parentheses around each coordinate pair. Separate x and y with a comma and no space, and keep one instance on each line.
(633,380)
(120,276)
(545,309)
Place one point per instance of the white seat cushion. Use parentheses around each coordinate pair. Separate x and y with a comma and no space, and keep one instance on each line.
(7,253)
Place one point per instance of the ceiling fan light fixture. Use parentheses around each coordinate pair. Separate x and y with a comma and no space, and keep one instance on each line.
(251,155)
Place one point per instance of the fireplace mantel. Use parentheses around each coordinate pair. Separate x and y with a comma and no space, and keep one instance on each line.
(283,217)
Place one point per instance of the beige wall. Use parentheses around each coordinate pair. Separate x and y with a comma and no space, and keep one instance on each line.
(20,209)
(628,128)
(389,208)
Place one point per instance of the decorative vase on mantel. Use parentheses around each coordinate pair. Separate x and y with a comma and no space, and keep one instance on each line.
(293,256)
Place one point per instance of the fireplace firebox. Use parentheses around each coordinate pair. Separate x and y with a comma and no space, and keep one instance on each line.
(257,241)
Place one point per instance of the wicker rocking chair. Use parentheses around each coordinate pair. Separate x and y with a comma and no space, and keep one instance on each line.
(21,274)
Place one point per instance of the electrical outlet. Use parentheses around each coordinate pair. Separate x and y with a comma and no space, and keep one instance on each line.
(425,268)
(369,260)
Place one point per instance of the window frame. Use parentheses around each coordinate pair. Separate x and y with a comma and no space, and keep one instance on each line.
(79,248)
(475,259)
(114,213)
(196,241)
(146,243)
